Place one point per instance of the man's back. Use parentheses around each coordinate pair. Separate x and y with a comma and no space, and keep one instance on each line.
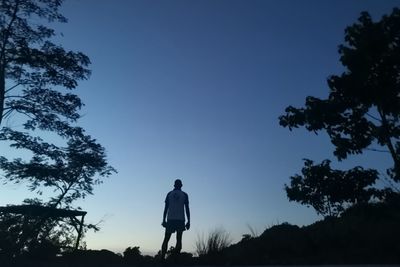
(176,201)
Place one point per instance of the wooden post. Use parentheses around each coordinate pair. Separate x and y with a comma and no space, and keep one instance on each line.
(79,232)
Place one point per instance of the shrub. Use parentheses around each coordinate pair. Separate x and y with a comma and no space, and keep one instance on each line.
(216,241)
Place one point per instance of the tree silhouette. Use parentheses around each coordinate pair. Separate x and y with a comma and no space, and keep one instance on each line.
(133,255)
(71,170)
(329,191)
(31,66)
(362,111)
(36,77)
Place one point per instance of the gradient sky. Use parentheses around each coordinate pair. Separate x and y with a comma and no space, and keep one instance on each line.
(193,90)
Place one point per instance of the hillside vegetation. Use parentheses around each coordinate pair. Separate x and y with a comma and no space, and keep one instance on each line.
(367,233)
(363,234)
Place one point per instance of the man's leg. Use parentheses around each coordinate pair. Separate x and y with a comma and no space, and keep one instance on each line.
(178,246)
(164,246)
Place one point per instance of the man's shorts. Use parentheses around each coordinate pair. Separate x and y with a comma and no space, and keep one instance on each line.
(175,226)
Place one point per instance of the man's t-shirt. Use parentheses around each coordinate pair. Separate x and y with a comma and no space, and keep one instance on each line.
(176,200)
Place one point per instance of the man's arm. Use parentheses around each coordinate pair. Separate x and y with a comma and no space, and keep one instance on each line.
(187,212)
(187,209)
(164,222)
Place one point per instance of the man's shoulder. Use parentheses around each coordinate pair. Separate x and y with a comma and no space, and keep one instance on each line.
(181,192)
(186,197)
(177,191)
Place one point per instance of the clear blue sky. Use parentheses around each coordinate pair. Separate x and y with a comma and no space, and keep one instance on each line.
(193,90)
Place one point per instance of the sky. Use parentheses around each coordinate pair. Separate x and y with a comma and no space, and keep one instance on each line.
(193,90)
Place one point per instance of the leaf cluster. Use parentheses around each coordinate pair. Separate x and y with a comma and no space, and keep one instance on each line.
(363,106)
(330,191)
(361,112)
(70,170)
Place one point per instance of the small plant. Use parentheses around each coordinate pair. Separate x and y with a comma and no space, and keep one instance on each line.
(217,240)
(253,231)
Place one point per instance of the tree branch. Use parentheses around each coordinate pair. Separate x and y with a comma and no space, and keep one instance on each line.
(378,150)
(12,87)
(388,140)
(390,183)
(3,62)
(8,30)
(13,96)
(373,117)
(58,187)
(61,197)
(7,113)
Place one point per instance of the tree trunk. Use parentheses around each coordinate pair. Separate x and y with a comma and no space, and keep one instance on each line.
(389,144)
(3,58)
(2,91)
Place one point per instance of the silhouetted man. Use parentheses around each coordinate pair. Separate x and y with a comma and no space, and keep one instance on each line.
(176,203)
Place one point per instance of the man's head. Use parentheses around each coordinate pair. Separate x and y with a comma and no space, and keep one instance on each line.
(178,184)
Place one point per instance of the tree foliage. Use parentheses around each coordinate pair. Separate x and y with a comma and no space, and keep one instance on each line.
(31,66)
(36,79)
(133,255)
(33,73)
(71,171)
(37,235)
(330,191)
(362,110)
